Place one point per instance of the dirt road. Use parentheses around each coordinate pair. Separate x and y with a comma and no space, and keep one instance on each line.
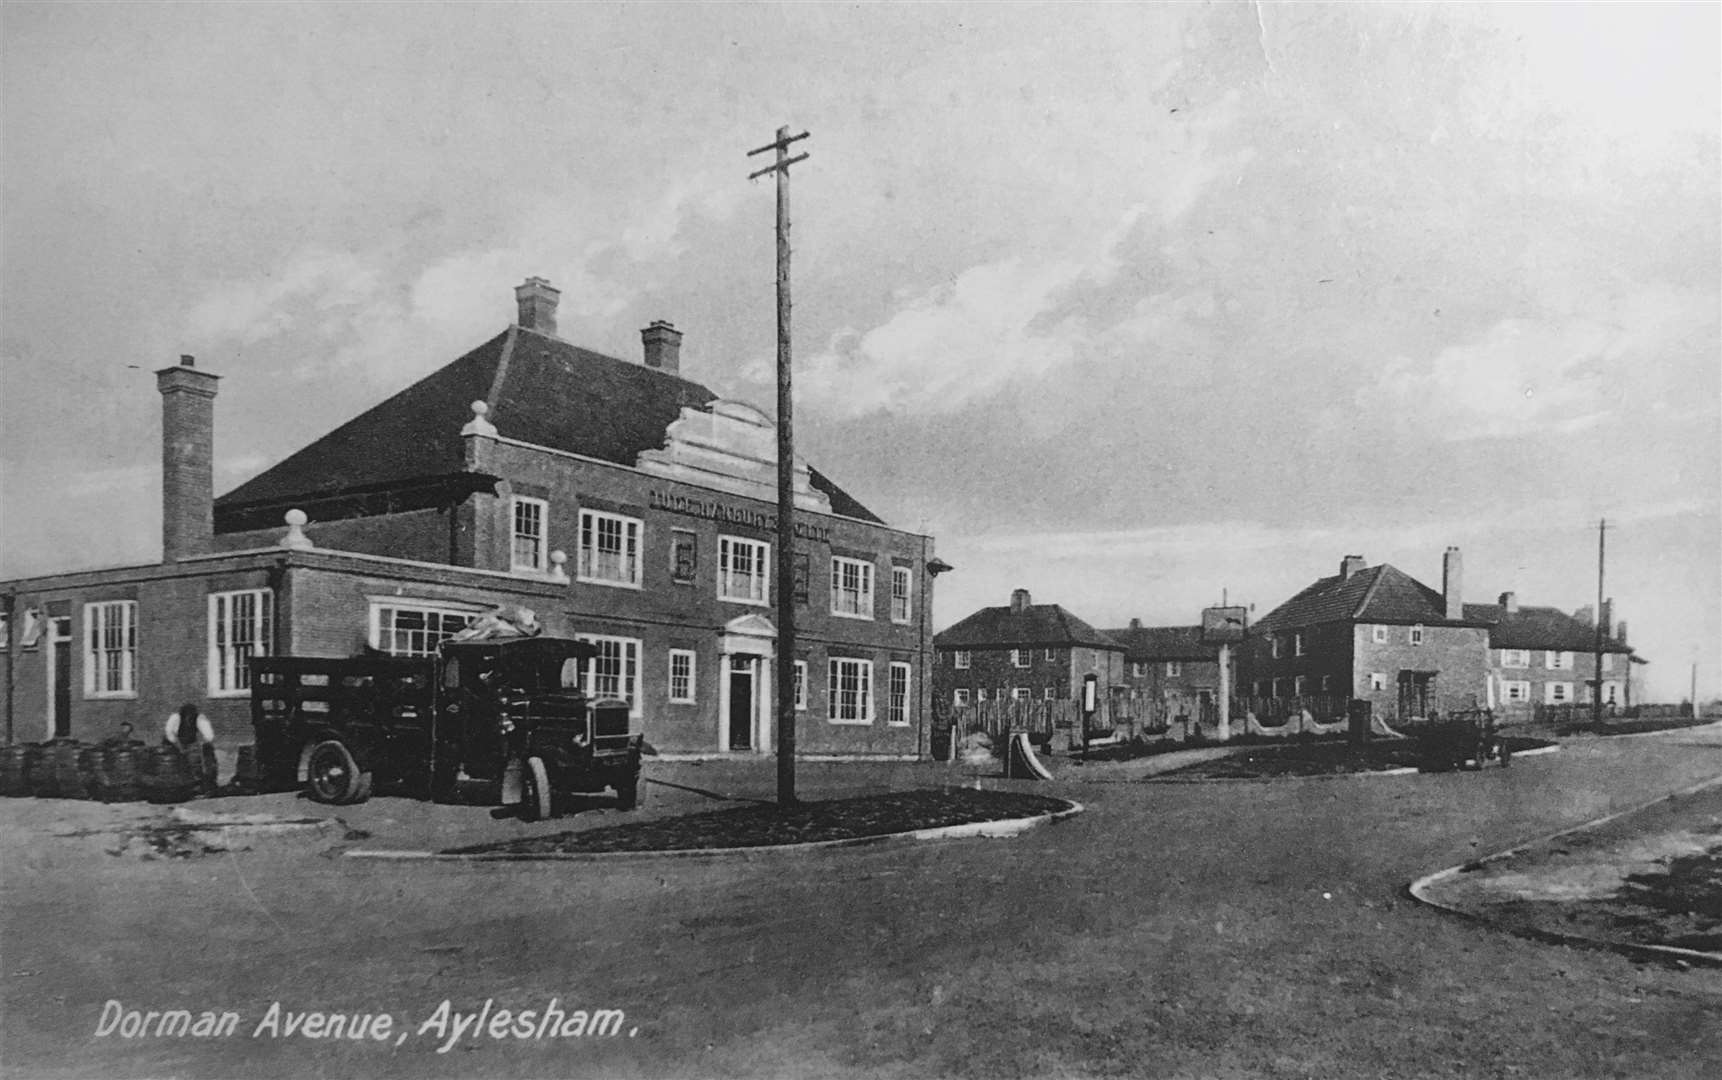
(1246,929)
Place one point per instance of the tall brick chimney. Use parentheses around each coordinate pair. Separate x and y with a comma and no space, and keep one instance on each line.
(537,301)
(1350,565)
(1453,583)
(663,345)
(1510,603)
(187,459)
(1018,601)
(1606,619)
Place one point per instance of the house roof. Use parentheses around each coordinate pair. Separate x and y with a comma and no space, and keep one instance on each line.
(1042,625)
(1375,594)
(540,389)
(1145,643)
(1540,628)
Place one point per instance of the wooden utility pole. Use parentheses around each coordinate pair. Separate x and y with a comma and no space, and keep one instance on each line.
(785,475)
(1601,631)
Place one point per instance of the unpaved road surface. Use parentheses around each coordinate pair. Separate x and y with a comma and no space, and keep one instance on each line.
(1224,930)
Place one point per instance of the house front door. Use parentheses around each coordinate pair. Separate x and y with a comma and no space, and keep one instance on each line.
(60,663)
(1414,694)
(741,705)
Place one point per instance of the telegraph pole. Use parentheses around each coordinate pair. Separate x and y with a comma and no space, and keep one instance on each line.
(1596,670)
(785,475)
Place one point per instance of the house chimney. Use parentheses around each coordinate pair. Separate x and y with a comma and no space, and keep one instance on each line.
(1135,624)
(1350,565)
(187,459)
(1018,601)
(1620,632)
(1606,618)
(663,343)
(1453,583)
(537,300)
(1510,603)
(1586,615)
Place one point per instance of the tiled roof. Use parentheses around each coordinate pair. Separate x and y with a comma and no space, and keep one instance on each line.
(1539,628)
(1145,643)
(549,393)
(1375,594)
(1041,625)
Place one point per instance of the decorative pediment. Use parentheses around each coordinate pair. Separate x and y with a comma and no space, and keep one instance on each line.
(749,635)
(730,446)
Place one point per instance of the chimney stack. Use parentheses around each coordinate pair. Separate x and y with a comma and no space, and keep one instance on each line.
(1606,618)
(1350,565)
(663,345)
(1453,583)
(1135,624)
(537,301)
(1018,601)
(187,459)
(1586,615)
(1620,632)
(1509,603)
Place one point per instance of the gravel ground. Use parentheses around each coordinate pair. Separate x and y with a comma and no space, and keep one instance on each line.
(1256,930)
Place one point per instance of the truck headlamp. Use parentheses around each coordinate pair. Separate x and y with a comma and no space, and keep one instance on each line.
(505,725)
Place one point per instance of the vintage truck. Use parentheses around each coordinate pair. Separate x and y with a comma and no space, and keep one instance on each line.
(509,713)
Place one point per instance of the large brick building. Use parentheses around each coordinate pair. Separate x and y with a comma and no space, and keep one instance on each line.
(1170,672)
(1542,656)
(1024,651)
(621,502)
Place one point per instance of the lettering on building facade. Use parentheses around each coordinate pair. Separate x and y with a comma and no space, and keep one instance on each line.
(734,515)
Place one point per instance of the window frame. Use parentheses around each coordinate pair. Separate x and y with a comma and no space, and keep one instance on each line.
(1522,656)
(800,686)
(761,555)
(1415,634)
(1297,643)
(440,608)
(633,533)
(690,694)
(905,576)
(229,675)
(836,701)
(1378,633)
(863,597)
(1021,658)
(100,657)
(1022,693)
(1174,669)
(1558,660)
(897,705)
(1377,681)
(1514,691)
(589,674)
(960,697)
(1558,693)
(692,539)
(541,557)
(961,659)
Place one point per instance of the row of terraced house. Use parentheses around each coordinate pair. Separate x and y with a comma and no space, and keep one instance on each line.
(1367,633)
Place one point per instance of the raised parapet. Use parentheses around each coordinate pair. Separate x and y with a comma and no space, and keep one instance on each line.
(730,446)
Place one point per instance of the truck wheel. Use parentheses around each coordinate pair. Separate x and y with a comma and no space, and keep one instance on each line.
(535,790)
(331,774)
(628,792)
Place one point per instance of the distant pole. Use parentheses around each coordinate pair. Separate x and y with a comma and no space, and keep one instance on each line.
(1596,661)
(785,475)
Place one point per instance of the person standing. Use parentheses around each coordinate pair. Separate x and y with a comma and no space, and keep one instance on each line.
(191,733)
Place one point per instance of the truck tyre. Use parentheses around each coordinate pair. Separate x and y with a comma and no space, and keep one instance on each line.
(534,790)
(628,792)
(331,774)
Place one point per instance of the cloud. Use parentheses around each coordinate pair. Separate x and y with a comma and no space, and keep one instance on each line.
(314,280)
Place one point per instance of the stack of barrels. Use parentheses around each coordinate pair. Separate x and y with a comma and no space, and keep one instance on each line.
(119,770)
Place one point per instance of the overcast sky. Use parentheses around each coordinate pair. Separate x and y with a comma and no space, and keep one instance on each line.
(1124,304)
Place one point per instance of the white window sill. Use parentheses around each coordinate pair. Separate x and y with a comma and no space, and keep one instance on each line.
(852,723)
(851,615)
(245,693)
(908,620)
(684,701)
(111,695)
(744,600)
(610,583)
(896,723)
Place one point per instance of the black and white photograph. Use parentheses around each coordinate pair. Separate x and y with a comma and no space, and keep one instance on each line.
(862,540)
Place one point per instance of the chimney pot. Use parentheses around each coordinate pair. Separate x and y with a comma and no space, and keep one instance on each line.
(1586,615)
(187,360)
(1135,624)
(1019,601)
(536,299)
(663,346)
(1350,565)
(1510,603)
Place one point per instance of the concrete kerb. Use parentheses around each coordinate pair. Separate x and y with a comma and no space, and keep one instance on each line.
(1419,889)
(1007,827)
(1406,770)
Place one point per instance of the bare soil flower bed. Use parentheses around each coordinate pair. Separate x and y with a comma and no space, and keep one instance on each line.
(765,825)
(1317,759)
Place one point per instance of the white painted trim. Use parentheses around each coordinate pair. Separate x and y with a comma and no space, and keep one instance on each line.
(693,679)
(639,544)
(542,563)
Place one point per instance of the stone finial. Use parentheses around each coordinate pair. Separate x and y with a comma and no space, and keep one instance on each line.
(558,568)
(295,537)
(480,423)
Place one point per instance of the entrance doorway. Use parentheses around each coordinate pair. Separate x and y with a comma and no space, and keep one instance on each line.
(60,676)
(1415,694)
(741,708)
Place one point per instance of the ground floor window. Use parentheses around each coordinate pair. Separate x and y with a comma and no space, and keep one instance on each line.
(851,691)
(241,625)
(1378,680)
(960,697)
(801,686)
(417,629)
(897,699)
(1557,693)
(1513,691)
(615,671)
(681,676)
(110,661)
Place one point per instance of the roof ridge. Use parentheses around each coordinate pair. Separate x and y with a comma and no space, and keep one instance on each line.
(1369,593)
(496,380)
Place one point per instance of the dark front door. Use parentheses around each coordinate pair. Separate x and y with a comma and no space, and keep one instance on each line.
(1414,689)
(741,710)
(60,635)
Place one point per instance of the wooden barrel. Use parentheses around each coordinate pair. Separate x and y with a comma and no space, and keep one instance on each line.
(166,778)
(247,777)
(39,770)
(123,771)
(69,782)
(13,781)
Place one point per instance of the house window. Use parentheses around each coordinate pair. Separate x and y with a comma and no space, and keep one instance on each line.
(615,671)
(901,582)
(897,695)
(1378,680)
(1174,669)
(1138,670)
(609,549)
(1274,645)
(980,695)
(529,544)
(802,571)
(1326,683)
(851,691)
(1557,693)
(1051,655)
(5,630)
(1278,687)
(851,588)
(684,555)
(1021,693)
(1378,634)
(960,659)
(1050,693)
(743,567)
(1610,692)
(1415,635)
(801,686)
(1515,658)
(1558,661)
(1297,686)
(110,664)
(241,626)
(1020,658)
(416,629)
(682,676)
(1515,691)
(1297,644)
(960,698)
(1608,661)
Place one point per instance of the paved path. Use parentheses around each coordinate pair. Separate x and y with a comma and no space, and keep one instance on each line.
(1173,930)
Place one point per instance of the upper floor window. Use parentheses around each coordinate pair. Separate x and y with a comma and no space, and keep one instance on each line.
(960,696)
(1415,635)
(960,659)
(1298,683)
(1274,645)
(902,581)
(1297,644)
(801,686)
(1608,661)
(530,544)
(1020,658)
(802,571)
(241,625)
(1174,668)
(851,691)
(1378,634)
(1378,680)
(897,694)
(1138,669)
(682,675)
(684,555)
(407,629)
(1051,655)
(851,587)
(1559,660)
(615,671)
(744,567)
(110,660)
(1515,658)
(1050,693)
(609,549)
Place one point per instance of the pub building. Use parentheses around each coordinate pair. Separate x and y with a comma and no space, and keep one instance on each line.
(619,502)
